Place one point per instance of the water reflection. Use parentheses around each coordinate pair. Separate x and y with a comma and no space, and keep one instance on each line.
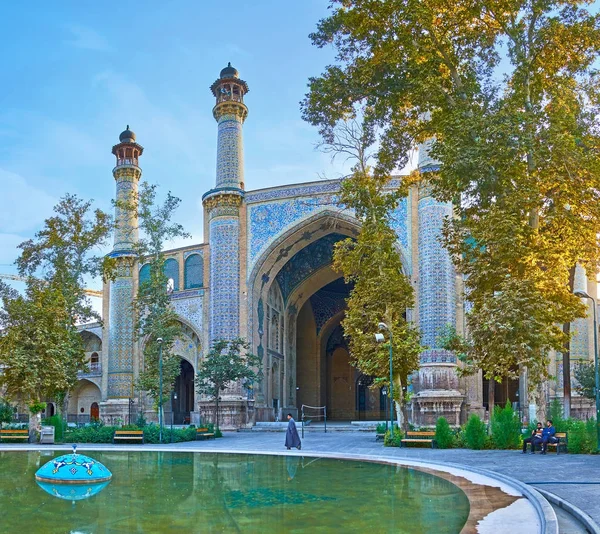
(72,492)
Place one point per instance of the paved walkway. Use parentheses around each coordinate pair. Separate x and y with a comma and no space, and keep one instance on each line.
(575,478)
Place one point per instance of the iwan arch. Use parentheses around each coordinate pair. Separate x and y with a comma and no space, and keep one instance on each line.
(265,274)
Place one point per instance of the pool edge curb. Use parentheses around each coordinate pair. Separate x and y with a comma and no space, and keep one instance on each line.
(585,519)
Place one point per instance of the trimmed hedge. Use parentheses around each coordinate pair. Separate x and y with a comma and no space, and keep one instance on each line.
(97,433)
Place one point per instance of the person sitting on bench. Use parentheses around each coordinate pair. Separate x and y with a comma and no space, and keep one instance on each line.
(534,439)
(548,435)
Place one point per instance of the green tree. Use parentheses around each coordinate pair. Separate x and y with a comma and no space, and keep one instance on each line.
(508,93)
(372,263)
(155,317)
(227,362)
(585,374)
(41,350)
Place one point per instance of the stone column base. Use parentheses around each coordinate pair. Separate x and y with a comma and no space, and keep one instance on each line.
(428,405)
(116,412)
(233,413)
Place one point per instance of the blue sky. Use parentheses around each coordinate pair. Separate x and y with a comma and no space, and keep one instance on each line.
(75,73)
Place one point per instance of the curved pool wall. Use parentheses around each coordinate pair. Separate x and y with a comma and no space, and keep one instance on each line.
(529,508)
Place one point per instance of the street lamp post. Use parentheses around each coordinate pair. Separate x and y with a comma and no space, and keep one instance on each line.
(379,338)
(584,295)
(173,397)
(160,380)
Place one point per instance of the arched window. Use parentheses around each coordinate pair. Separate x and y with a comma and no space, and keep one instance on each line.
(275,319)
(145,273)
(171,270)
(194,271)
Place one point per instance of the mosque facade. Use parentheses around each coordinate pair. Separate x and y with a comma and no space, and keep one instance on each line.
(265,274)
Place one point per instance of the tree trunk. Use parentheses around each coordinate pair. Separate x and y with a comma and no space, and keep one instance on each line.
(491,398)
(35,423)
(216,418)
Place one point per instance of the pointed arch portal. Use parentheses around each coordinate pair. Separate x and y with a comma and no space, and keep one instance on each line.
(298,301)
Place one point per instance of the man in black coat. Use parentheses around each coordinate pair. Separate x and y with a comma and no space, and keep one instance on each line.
(292,439)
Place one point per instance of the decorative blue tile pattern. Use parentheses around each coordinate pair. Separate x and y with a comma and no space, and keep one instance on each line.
(224,278)
(437,292)
(305,262)
(267,221)
(190,309)
(125,234)
(230,152)
(580,341)
(325,305)
(293,191)
(121,338)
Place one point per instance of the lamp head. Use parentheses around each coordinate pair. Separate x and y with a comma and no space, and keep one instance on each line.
(159,340)
(581,294)
(382,326)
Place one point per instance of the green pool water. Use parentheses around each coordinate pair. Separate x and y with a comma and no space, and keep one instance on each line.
(185,492)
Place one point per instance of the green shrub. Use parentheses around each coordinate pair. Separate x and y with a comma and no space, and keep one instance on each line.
(59,427)
(394,440)
(475,435)
(141,422)
(104,434)
(506,427)
(444,436)
(91,434)
(381,427)
(6,412)
(582,436)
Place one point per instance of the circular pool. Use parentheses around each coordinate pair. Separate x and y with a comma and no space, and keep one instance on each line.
(165,491)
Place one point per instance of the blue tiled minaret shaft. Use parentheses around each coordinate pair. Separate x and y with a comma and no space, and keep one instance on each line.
(223,203)
(437,278)
(121,340)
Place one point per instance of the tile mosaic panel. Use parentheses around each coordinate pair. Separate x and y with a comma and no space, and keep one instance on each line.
(190,309)
(224,278)
(269,220)
(305,262)
(325,305)
(121,337)
(437,292)
(230,152)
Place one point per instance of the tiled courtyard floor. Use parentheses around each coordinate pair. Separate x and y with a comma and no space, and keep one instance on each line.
(575,478)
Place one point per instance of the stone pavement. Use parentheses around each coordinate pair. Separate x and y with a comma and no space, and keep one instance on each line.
(574,478)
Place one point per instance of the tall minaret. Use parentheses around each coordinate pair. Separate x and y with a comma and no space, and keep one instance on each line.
(437,383)
(121,321)
(222,206)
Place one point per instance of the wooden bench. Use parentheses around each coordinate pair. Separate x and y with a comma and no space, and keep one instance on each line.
(562,441)
(379,435)
(203,433)
(130,435)
(419,437)
(14,433)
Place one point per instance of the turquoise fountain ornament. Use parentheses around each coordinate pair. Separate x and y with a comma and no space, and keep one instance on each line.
(73,476)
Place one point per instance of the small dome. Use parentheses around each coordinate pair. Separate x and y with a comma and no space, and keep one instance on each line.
(73,469)
(229,72)
(127,136)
